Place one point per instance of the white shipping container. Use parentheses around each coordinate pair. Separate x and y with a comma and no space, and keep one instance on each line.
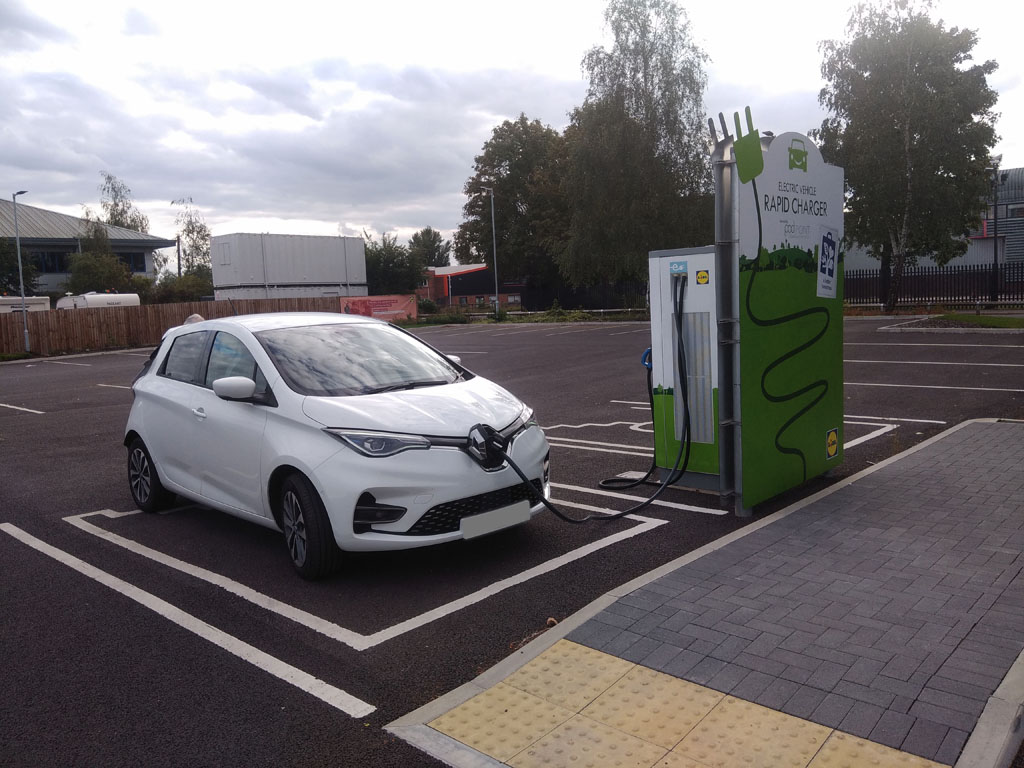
(285,292)
(274,263)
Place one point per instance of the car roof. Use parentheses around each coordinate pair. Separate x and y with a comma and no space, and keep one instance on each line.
(275,320)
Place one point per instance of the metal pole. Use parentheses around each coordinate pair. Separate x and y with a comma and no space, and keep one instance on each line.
(995,234)
(21,277)
(494,239)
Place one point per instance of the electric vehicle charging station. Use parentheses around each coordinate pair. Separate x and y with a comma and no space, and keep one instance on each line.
(761,320)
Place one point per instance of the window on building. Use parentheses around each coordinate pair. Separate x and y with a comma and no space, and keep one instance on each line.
(513,298)
(479,300)
(136,262)
(50,262)
(1015,212)
(463,300)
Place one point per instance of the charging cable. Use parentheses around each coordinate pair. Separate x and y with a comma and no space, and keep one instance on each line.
(496,444)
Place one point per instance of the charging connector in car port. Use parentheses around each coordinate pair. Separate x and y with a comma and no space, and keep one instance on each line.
(369,513)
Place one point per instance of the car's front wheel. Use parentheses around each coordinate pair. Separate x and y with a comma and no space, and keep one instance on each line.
(148,492)
(307,529)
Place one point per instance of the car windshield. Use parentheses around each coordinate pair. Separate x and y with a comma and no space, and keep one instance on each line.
(354,359)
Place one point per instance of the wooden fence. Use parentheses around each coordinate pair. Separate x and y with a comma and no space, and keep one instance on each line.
(69,331)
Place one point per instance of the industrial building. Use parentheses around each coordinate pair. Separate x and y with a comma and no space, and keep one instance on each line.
(49,240)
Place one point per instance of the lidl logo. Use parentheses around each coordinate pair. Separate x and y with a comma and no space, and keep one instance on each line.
(703,277)
(831,443)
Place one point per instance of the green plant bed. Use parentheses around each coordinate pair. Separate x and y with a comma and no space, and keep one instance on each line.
(960,320)
(4,358)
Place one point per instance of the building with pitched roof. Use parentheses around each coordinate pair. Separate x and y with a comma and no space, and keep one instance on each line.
(49,239)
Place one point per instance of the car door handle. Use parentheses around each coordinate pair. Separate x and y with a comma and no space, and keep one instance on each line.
(199,413)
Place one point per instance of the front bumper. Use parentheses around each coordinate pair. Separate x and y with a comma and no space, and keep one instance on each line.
(437,487)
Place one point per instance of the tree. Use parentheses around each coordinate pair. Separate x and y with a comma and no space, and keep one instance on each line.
(9,282)
(98,272)
(430,248)
(625,199)
(117,205)
(95,267)
(389,267)
(638,172)
(655,73)
(172,289)
(911,122)
(522,163)
(194,235)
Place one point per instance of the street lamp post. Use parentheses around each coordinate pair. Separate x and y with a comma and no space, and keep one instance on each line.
(494,241)
(21,277)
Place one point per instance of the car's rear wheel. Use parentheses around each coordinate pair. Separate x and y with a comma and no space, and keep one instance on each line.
(148,492)
(307,530)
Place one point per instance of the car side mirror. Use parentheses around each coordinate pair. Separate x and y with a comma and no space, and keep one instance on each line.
(455,359)
(235,388)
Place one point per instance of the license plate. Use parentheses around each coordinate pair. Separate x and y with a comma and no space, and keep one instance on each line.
(495,520)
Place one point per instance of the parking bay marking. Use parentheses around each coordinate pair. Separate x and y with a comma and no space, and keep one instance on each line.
(630,497)
(19,408)
(59,362)
(637,450)
(350,638)
(933,362)
(113,386)
(327,693)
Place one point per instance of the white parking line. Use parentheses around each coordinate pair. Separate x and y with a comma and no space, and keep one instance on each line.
(329,694)
(929,386)
(630,497)
(893,418)
(352,639)
(556,442)
(883,429)
(58,362)
(932,362)
(19,408)
(113,386)
(920,344)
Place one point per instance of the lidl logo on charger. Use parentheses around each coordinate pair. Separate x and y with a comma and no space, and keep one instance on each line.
(703,277)
(831,443)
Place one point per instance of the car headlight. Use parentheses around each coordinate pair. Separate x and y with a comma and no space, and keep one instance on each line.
(527,416)
(378,444)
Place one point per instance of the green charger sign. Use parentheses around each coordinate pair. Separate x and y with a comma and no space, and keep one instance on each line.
(790,299)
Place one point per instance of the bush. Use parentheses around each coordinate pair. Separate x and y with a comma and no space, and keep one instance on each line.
(426,306)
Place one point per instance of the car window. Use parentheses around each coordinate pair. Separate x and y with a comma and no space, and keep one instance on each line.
(229,357)
(354,359)
(182,363)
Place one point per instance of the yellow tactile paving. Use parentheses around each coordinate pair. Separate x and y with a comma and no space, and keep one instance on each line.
(570,675)
(653,706)
(738,733)
(845,751)
(585,743)
(673,760)
(502,721)
(574,706)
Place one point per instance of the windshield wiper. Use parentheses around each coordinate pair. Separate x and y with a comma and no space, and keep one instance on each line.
(407,385)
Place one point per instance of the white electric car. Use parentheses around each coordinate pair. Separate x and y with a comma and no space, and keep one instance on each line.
(344,432)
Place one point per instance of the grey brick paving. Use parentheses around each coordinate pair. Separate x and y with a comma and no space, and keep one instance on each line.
(890,609)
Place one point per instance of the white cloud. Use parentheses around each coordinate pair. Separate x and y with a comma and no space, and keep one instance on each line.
(305,116)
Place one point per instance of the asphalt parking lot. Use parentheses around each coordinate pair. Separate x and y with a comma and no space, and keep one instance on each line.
(185,638)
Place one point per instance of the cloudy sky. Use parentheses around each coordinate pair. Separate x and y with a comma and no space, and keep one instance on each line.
(309,117)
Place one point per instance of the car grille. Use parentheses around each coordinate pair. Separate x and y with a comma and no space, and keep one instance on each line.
(445,518)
